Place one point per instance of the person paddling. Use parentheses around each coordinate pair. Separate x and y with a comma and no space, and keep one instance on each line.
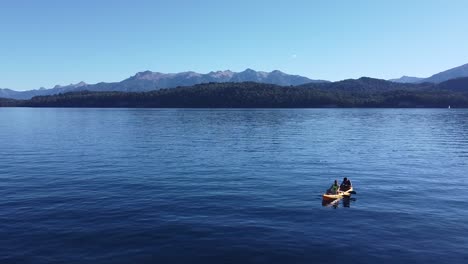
(345,185)
(334,188)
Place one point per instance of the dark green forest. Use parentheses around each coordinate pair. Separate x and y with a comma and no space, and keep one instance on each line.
(363,92)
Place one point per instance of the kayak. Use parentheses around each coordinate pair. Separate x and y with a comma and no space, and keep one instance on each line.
(331,197)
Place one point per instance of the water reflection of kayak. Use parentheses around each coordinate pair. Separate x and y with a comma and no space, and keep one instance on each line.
(339,195)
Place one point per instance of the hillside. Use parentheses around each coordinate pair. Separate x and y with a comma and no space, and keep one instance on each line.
(148,81)
(453,73)
(364,92)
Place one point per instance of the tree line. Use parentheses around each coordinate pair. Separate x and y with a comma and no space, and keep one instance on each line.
(349,93)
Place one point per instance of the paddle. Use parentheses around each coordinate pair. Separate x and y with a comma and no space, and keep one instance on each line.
(347,194)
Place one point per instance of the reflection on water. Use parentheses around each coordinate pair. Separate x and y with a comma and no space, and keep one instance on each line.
(345,202)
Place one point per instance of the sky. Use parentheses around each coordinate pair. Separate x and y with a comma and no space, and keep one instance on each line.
(45,43)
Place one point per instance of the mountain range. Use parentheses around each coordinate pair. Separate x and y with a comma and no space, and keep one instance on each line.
(457,72)
(362,92)
(148,81)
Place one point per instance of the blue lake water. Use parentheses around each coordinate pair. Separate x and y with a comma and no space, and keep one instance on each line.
(232,185)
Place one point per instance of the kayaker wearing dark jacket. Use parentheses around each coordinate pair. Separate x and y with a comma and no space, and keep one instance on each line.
(345,185)
(334,188)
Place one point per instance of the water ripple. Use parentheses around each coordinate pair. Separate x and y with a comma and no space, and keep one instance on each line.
(232,185)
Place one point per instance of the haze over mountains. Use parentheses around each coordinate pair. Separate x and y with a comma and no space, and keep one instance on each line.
(457,72)
(362,92)
(148,81)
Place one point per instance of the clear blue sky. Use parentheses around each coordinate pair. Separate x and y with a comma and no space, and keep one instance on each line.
(47,42)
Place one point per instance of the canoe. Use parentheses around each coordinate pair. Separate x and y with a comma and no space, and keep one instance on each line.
(332,197)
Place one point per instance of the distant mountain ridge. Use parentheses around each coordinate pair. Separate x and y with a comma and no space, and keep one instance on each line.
(454,73)
(362,92)
(148,80)
(407,79)
(22,95)
(457,72)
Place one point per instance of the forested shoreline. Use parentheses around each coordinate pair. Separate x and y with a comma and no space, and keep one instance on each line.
(364,92)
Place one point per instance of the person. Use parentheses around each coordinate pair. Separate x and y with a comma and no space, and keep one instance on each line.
(334,188)
(345,185)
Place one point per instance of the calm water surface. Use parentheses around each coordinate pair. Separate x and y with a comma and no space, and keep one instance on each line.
(232,186)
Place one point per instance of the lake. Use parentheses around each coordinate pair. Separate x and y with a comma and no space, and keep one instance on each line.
(232,185)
